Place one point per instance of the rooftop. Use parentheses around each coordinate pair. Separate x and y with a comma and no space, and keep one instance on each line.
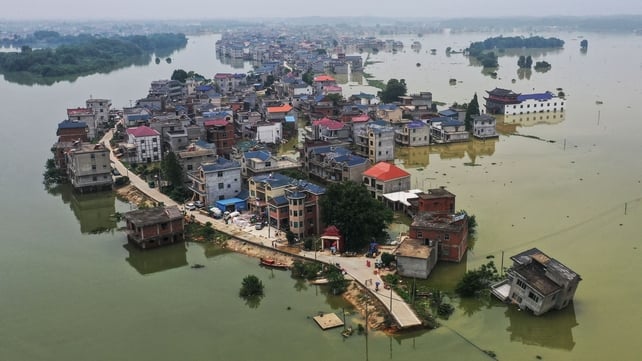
(142,131)
(148,216)
(413,248)
(385,171)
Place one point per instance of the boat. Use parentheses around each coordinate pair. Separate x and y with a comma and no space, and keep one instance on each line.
(320,281)
(269,262)
(197,265)
(347,332)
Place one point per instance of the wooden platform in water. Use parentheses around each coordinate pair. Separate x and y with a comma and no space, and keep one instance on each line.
(328,320)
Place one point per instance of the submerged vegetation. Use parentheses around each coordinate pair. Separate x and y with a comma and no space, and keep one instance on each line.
(484,51)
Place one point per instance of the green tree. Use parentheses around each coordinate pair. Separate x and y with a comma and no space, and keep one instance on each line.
(355,213)
(387,258)
(471,110)
(172,170)
(394,89)
(180,75)
(251,287)
(477,280)
(308,77)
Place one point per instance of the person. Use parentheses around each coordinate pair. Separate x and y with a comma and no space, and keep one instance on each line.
(377,286)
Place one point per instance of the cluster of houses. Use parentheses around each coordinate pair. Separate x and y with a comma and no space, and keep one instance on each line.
(225,131)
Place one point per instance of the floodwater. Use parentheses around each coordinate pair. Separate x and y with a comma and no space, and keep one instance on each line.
(70,289)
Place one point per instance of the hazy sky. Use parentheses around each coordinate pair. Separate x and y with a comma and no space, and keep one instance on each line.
(199,9)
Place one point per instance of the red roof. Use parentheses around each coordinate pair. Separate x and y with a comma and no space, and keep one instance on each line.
(79,111)
(360,118)
(282,109)
(385,172)
(142,131)
(323,78)
(331,231)
(216,123)
(223,76)
(328,123)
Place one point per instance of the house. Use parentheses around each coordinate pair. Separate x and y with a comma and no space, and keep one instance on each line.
(100,108)
(375,140)
(390,112)
(134,117)
(220,131)
(332,163)
(278,113)
(143,144)
(447,232)
(415,258)
(168,89)
(329,129)
(216,180)
(447,130)
(72,130)
(89,167)
(413,134)
(262,161)
(384,178)
(288,203)
(85,115)
(154,227)
(269,132)
(538,283)
(417,106)
(437,200)
(195,154)
(484,126)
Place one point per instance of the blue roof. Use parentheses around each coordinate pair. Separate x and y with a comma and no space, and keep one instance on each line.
(220,164)
(290,119)
(351,159)
(244,194)
(215,115)
(229,202)
(280,200)
(448,113)
(535,96)
(387,106)
(261,154)
(416,124)
(137,116)
(204,88)
(447,122)
(273,179)
(68,124)
(310,187)
(203,144)
(330,149)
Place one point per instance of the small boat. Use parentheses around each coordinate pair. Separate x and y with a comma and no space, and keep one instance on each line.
(319,281)
(347,332)
(269,262)
(198,265)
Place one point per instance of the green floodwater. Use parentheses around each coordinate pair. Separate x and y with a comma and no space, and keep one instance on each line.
(70,288)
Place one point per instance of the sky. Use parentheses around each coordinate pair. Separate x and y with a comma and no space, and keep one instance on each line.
(205,9)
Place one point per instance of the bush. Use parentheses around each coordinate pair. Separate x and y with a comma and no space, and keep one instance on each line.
(477,280)
(387,259)
(251,287)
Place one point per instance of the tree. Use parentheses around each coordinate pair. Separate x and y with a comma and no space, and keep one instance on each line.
(308,77)
(251,287)
(180,75)
(394,89)
(477,280)
(355,213)
(387,258)
(172,170)
(471,110)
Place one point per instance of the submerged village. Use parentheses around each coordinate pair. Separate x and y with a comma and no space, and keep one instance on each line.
(260,160)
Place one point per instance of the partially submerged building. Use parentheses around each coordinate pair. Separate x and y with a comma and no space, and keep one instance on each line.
(154,227)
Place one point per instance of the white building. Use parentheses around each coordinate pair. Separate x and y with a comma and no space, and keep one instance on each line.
(215,181)
(448,130)
(101,108)
(484,126)
(146,143)
(269,132)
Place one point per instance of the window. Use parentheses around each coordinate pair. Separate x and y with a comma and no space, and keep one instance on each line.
(420,234)
(93,156)
(446,236)
(190,167)
(93,167)
(521,284)
(219,174)
(221,186)
(154,140)
(533,296)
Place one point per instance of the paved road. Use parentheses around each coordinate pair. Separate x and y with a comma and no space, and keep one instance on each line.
(355,267)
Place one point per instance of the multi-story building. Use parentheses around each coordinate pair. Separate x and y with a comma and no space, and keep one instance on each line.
(89,167)
(258,162)
(221,133)
(69,134)
(384,178)
(538,283)
(327,129)
(195,154)
(484,126)
(218,180)
(100,108)
(169,89)
(288,203)
(85,115)
(154,227)
(413,134)
(507,102)
(376,141)
(448,130)
(389,112)
(332,163)
(144,145)
(447,232)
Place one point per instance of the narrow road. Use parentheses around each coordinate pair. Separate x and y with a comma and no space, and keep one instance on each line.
(355,267)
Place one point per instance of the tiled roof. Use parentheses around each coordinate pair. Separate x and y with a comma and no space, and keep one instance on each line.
(328,123)
(416,124)
(360,118)
(69,124)
(323,78)
(260,154)
(385,172)
(536,96)
(216,123)
(142,131)
(79,111)
(281,109)
(220,164)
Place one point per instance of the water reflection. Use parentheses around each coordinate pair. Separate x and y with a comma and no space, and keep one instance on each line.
(236,63)
(552,330)
(413,157)
(509,122)
(158,259)
(94,211)
(472,148)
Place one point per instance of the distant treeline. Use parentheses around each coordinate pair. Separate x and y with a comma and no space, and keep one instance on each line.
(481,50)
(87,54)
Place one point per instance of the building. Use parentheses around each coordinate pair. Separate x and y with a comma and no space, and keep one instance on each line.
(413,134)
(446,232)
(143,145)
(375,141)
(415,258)
(100,108)
(384,178)
(262,162)
(327,129)
(389,112)
(218,180)
(507,102)
(447,130)
(85,115)
(538,283)
(195,154)
(168,89)
(437,200)
(288,203)
(484,126)
(332,163)
(221,133)
(269,132)
(89,167)
(154,227)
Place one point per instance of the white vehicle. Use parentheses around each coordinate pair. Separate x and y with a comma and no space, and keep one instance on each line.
(190,206)
(216,213)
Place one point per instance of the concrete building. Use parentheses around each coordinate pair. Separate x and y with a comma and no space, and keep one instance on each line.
(89,167)
(154,227)
(384,178)
(195,154)
(415,258)
(218,180)
(375,141)
(506,102)
(262,161)
(447,130)
(484,126)
(143,145)
(332,163)
(85,115)
(100,108)
(220,132)
(413,134)
(538,283)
